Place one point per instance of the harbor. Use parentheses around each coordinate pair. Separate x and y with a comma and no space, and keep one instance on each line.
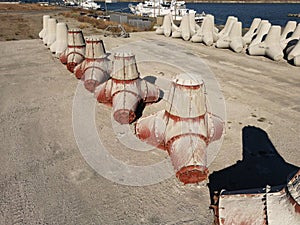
(276,13)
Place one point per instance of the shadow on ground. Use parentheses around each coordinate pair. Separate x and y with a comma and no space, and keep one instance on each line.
(261,165)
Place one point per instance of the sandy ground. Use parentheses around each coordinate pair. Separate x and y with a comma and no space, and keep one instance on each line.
(45,179)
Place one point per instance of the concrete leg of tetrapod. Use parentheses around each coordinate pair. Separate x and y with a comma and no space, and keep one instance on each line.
(286,33)
(274,50)
(185,28)
(297,60)
(236,43)
(51,32)
(227,27)
(45,25)
(251,32)
(176,31)
(262,31)
(296,33)
(61,40)
(295,51)
(167,25)
(209,30)
(192,23)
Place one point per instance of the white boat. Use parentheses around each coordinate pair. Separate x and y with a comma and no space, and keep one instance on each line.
(111,1)
(90,4)
(70,3)
(154,8)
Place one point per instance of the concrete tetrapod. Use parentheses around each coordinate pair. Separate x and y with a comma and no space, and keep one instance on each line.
(184,129)
(247,38)
(271,46)
(46,30)
(206,32)
(94,70)
(262,30)
(74,53)
(288,29)
(45,26)
(61,40)
(270,205)
(166,28)
(126,91)
(51,32)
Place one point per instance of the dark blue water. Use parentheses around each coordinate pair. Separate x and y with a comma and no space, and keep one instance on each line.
(118,6)
(275,13)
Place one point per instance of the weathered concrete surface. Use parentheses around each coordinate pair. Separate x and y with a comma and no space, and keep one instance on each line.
(269,205)
(43,175)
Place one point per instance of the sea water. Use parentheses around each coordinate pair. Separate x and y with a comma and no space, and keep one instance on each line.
(276,13)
